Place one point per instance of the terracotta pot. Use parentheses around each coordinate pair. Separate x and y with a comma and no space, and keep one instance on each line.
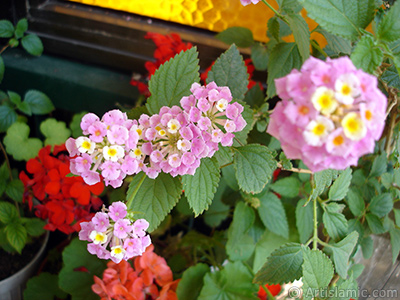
(12,287)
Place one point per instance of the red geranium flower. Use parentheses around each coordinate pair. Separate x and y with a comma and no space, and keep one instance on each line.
(275,289)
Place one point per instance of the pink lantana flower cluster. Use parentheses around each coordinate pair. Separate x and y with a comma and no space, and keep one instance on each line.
(112,235)
(172,141)
(330,115)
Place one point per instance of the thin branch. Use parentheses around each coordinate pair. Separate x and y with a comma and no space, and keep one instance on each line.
(295,170)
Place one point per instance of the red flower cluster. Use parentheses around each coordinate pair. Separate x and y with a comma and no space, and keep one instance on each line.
(151,278)
(65,201)
(167,47)
(275,289)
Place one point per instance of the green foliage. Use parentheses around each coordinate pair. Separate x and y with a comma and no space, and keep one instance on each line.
(16,235)
(15,190)
(242,37)
(192,281)
(56,132)
(381,205)
(287,187)
(21,27)
(173,80)
(218,211)
(2,68)
(335,222)
(367,55)
(341,17)
(8,212)
(35,291)
(304,220)
(375,224)
(273,215)
(282,266)
(32,44)
(254,166)
(259,56)
(341,252)
(301,34)
(341,185)
(322,180)
(8,116)
(229,70)
(389,27)
(247,114)
(336,44)
(153,198)
(233,283)
(201,187)
(38,102)
(355,202)
(395,242)
(6,29)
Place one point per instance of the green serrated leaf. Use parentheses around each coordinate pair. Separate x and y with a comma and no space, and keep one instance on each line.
(14,97)
(379,165)
(367,247)
(335,224)
(336,43)
(229,70)
(282,266)
(304,220)
(375,224)
(32,44)
(301,34)
(19,145)
(21,27)
(367,55)
(381,204)
(287,187)
(6,29)
(389,27)
(56,132)
(341,17)
(289,5)
(342,251)
(136,112)
(8,212)
(77,283)
(4,177)
(39,103)
(241,36)
(254,166)
(16,235)
(192,281)
(153,197)
(395,242)
(355,202)
(233,282)
(397,216)
(259,56)
(25,108)
(15,190)
(75,125)
(201,187)
(341,185)
(273,215)
(240,245)
(218,211)
(44,287)
(391,76)
(173,80)
(8,116)
(317,271)
(322,180)
(284,57)
(273,28)
(34,226)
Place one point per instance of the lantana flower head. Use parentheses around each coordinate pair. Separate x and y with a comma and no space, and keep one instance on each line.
(330,115)
(112,235)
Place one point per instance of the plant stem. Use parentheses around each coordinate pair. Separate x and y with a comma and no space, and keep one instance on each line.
(315,237)
(316,46)
(7,160)
(270,296)
(228,164)
(296,170)
(276,12)
(240,143)
(4,48)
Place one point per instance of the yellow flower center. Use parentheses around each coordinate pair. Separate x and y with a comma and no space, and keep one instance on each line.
(139,131)
(338,140)
(346,90)
(111,152)
(161,132)
(353,126)
(319,129)
(117,250)
(368,115)
(304,110)
(86,145)
(137,152)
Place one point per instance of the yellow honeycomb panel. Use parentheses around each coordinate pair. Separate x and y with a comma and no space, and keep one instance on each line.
(214,15)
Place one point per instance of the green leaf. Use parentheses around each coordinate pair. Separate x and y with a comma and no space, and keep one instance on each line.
(273,215)
(14,97)
(6,29)
(342,251)
(367,55)
(254,165)
(8,212)
(317,271)
(19,145)
(301,34)
(304,220)
(259,56)
(389,27)
(284,57)
(21,27)
(218,211)
(322,180)
(397,216)
(34,226)
(76,283)
(381,204)
(282,266)
(241,36)
(32,44)
(336,43)
(341,17)
(8,116)
(44,287)
(136,112)
(75,125)
(395,242)
(201,187)
(15,190)
(173,80)
(229,70)
(154,198)
(16,235)
(391,76)
(231,283)
(56,132)
(273,28)
(248,116)
(2,69)
(39,103)
(192,281)
(224,156)
(375,224)
(379,165)
(355,202)
(341,185)
(287,187)
(335,224)
(4,177)
(367,247)
(240,245)
(25,108)
(289,5)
